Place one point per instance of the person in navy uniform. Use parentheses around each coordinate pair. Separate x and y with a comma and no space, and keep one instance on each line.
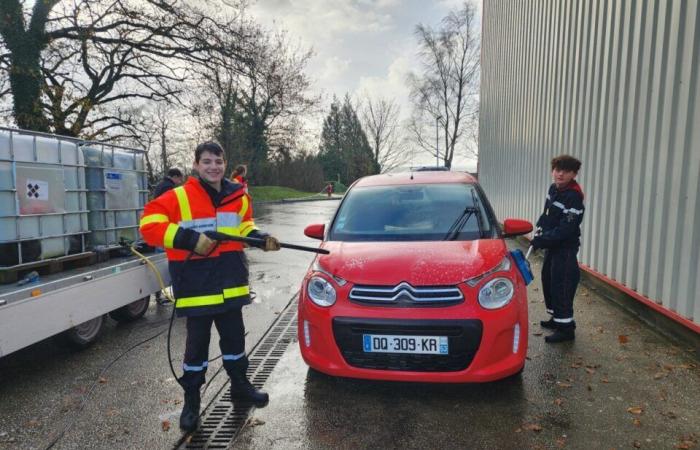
(559,232)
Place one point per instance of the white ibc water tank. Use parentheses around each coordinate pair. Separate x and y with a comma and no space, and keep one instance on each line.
(117,192)
(43,207)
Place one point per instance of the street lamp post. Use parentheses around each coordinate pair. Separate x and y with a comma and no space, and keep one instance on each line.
(437,141)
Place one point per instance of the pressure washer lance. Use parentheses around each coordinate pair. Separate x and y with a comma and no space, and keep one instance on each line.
(215,235)
(529,250)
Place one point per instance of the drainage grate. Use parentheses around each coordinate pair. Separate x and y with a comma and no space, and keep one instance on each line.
(224,420)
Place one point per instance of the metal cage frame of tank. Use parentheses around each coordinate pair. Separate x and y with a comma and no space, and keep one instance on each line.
(82,200)
(142,193)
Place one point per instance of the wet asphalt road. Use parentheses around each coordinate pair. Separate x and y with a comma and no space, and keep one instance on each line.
(619,385)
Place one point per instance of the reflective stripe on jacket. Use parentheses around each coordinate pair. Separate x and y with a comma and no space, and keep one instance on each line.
(202,285)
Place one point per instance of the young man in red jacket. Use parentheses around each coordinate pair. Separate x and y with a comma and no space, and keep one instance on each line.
(211,286)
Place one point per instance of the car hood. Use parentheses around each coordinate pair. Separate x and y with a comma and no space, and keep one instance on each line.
(418,263)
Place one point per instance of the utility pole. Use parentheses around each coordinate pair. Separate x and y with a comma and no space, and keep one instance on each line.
(437,141)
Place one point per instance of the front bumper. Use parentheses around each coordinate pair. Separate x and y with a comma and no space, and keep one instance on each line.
(482,342)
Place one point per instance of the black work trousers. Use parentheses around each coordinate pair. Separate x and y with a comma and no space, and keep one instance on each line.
(229,324)
(560,277)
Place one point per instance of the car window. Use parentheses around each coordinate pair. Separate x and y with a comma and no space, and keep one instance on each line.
(421,212)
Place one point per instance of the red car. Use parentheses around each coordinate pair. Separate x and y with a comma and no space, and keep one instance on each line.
(418,286)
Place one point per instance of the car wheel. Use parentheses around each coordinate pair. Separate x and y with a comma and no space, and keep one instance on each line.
(132,311)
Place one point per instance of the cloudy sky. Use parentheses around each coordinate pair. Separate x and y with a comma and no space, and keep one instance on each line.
(359,45)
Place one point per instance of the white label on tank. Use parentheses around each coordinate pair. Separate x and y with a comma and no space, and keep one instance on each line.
(114,181)
(37,189)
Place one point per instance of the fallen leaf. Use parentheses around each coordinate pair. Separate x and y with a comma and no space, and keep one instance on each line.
(33,423)
(102,380)
(604,380)
(563,385)
(635,410)
(637,422)
(590,370)
(623,339)
(558,401)
(600,330)
(637,444)
(165,425)
(660,375)
(576,364)
(254,422)
(561,442)
(536,427)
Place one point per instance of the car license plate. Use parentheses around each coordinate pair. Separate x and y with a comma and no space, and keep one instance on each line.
(383,343)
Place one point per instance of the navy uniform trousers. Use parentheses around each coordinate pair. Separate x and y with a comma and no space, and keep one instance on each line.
(560,277)
(231,330)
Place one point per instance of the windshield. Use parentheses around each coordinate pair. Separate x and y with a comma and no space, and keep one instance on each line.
(421,212)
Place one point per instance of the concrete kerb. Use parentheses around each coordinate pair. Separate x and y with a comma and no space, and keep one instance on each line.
(655,320)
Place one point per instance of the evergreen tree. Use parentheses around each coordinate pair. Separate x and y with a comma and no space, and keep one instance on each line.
(344,152)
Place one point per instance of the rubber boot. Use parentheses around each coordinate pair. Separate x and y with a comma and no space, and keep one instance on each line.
(564,332)
(189,419)
(549,324)
(241,388)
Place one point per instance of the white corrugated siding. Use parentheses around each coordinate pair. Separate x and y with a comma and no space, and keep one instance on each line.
(614,83)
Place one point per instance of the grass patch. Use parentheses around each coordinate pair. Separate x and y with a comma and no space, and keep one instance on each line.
(271,193)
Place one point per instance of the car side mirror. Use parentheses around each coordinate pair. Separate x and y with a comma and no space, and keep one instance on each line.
(516,227)
(317,230)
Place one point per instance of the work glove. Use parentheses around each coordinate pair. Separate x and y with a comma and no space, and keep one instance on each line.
(536,243)
(204,245)
(271,244)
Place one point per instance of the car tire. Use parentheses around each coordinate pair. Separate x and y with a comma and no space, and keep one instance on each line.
(132,311)
(84,335)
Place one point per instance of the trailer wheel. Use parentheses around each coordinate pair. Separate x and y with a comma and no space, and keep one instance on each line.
(132,311)
(84,335)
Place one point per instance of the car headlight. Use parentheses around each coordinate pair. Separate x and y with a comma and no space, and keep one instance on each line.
(321,291)
(496,293)
(503,266)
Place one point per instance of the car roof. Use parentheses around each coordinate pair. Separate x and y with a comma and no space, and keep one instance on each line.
(408,178)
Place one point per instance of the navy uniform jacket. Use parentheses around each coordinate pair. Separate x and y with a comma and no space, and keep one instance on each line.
(561,219)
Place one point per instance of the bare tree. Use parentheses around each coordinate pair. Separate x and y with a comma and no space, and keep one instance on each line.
(259,100)
(445,94)
(380,120)
(72,64)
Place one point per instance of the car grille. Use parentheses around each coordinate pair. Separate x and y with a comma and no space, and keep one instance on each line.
(406,295)
(464,337)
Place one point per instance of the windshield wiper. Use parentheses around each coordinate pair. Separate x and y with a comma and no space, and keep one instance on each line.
(458,224)
(475,201)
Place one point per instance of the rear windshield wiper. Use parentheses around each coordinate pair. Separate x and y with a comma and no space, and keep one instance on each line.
(458,224)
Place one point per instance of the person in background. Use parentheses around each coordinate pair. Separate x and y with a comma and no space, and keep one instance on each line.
(239,176)
(559,231)
(173,179)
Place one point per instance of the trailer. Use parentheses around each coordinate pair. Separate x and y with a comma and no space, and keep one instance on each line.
(74,304)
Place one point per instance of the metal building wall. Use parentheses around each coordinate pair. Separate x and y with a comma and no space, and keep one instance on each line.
(615,83)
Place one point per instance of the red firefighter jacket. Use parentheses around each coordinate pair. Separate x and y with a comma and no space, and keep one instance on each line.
(211,284)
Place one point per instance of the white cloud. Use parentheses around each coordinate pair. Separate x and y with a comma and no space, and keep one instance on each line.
(392,85)
(333,68)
